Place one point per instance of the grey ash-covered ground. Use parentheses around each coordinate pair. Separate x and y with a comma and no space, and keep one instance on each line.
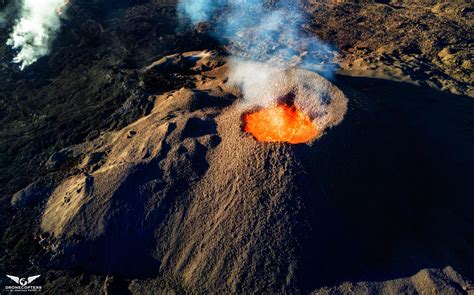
(390,208)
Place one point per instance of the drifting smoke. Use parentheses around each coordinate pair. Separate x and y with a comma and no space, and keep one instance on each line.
(197,11)
(269,33)
(259,82)
(263,84)
(268,42)
(34,31)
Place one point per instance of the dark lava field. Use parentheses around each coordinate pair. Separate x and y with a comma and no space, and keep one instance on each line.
(127,167)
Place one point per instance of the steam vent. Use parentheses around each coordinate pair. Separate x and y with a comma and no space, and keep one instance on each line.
(304,104)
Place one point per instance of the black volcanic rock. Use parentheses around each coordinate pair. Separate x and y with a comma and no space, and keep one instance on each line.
(381,203)
(32,194)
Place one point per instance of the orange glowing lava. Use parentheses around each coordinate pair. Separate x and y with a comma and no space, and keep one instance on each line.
(280,123)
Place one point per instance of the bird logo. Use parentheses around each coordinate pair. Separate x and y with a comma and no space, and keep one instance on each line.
(23,281)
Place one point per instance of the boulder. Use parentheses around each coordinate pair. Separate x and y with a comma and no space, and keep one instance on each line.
(32,194)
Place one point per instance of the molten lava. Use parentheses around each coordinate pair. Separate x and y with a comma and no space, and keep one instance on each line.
(280,123)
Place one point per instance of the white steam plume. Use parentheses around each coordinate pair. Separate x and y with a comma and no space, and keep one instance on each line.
(262,84)
(268,43)
(270,33)
(35,30)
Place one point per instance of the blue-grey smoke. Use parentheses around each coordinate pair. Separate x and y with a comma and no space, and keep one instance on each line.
(270,33)
(197,10)
(35,29)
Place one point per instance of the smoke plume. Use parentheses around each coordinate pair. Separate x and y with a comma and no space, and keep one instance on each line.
(262,84)
(272,36)
(35,29)
(270,33)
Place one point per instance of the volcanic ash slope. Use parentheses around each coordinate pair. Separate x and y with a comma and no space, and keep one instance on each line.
(184,194)
(183,199)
